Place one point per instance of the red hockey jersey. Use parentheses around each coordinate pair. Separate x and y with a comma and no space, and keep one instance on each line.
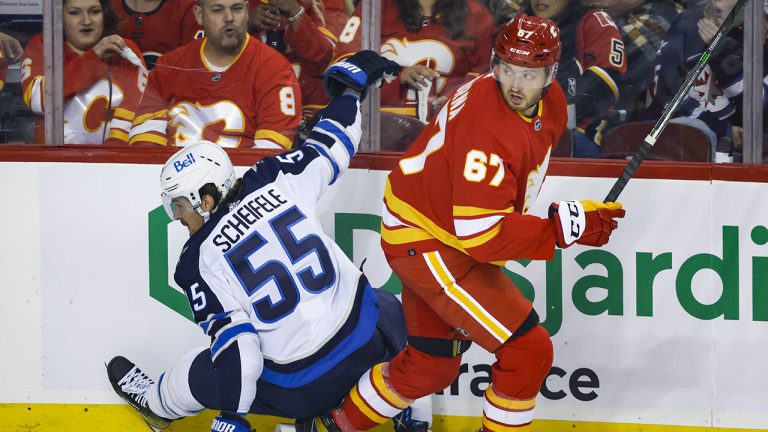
(311,50)
(457,60)
(163,30)
(255,102)
(469,179)
(87,94)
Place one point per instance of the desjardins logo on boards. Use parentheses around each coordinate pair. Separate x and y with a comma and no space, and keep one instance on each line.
(606,272)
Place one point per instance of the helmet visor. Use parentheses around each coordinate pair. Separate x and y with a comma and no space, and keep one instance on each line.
(178,207)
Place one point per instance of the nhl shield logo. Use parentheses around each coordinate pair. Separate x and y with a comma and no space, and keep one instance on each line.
(216,77)
(537,124)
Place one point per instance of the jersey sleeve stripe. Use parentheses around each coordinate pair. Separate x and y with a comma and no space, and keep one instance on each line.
(228,336)
(607,79)
(405,235)
(328,34)
(33,95)
(333,128)
(406,212)
(481,239)
(321,137)
(158,126)
(320,149)
(271,135)
(148,137)
(478,211)
(120,124)
(118,134)
(124,114)
(144,117)
(473,227)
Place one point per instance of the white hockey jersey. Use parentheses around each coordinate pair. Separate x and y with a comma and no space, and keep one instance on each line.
(264,281)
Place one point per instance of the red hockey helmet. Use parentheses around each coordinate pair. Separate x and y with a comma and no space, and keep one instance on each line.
(528,41)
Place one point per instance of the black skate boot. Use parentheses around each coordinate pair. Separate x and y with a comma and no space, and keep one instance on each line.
(131,384)
(321,423)
(404,423)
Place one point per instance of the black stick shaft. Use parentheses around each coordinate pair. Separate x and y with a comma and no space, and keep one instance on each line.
(650,140)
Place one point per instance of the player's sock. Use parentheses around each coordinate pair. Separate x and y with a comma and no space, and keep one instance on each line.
(371,402)
(172,397)
(501,413)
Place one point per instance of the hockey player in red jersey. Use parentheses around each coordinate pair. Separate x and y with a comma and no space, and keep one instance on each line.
(157,27)
(455,210)
(228,88)
(101,87)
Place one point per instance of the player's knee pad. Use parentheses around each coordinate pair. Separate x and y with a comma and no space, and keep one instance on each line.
(523,363)
(415,374)
(173,396)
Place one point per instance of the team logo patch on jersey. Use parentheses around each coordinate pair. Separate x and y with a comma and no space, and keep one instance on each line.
(537,124)
(216,77)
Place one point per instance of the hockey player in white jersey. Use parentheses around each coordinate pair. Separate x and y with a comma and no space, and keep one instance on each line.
(293,323)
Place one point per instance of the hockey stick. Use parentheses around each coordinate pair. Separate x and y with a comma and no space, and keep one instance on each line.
(650,140)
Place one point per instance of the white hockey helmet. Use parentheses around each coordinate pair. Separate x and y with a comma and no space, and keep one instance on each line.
(191,168)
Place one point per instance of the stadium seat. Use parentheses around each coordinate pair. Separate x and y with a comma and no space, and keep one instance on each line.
(564,147)
(678,142)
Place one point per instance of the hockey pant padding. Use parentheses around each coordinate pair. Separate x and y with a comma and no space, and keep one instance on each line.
(415,374)
(172,396)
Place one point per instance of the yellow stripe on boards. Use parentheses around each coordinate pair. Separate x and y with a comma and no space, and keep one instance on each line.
(122,418)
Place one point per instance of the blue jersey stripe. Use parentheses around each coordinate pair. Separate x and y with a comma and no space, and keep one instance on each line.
(329,127)
(320,149)
(361,334)
(229,334)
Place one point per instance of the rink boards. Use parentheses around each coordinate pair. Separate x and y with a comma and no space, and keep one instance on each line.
(665,326)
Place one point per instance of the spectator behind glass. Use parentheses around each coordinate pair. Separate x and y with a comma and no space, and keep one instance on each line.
(714,102)
(306,42)
(10,53)
(228,88)
(592,61)
(643,25)
(503,11)
(157,26)
(448,41)
(101,88)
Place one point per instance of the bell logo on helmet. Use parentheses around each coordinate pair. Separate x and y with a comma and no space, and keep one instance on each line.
(183,163)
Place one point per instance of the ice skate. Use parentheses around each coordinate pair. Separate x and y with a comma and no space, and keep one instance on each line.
(131,384)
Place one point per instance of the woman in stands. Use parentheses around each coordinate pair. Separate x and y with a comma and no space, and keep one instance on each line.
(441,42)
(591,64)
(101,86)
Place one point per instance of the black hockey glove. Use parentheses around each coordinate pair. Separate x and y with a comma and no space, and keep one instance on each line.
(358,72)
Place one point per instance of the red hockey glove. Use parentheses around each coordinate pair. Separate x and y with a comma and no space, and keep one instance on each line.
(585,222)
